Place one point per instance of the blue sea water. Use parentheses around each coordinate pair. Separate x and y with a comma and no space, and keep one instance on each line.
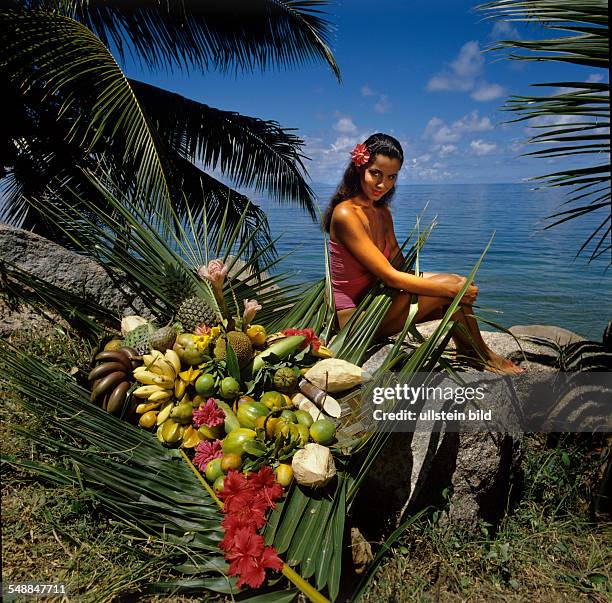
(529,275)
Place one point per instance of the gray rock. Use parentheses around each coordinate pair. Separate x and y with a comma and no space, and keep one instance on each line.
(65,269)
(557,335)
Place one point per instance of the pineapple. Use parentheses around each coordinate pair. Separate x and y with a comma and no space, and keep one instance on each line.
(195,311)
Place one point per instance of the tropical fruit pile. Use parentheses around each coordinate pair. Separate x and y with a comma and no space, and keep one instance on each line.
(239,399)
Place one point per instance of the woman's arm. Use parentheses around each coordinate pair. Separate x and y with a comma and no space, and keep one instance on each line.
(349,231)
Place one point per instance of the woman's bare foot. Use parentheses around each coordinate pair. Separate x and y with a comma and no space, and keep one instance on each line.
(489,361)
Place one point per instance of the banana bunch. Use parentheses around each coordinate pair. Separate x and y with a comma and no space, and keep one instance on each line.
(111,379)
(157,376)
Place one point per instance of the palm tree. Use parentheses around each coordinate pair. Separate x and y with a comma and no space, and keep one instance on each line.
(69,107)
(575,119)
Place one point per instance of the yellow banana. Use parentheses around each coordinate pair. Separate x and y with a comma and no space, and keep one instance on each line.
(146,390)
(161,396)
(147,359)
(147,406)
(148,378)
(173,358)
(164,413)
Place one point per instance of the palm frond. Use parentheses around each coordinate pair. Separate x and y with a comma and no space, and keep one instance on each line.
(575,118)
(253,153)
(136,479)
(243,34)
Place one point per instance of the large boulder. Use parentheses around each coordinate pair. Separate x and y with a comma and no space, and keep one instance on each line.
(471,473)
(65,269)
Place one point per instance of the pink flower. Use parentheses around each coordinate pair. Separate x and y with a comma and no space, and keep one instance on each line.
(206,451)
(360,155)
(251,308)
(215,272)
(208,414)
(202,329)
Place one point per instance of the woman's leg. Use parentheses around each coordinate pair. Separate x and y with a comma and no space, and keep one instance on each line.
(467,337)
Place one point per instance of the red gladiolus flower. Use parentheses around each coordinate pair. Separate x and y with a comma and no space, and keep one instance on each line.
(208,414)
(206,451)
(309,334)
(360,155)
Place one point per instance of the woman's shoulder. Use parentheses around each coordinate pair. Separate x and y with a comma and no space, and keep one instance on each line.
(345,210)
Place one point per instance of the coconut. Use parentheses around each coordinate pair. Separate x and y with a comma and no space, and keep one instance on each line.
(336,375)
(313,466)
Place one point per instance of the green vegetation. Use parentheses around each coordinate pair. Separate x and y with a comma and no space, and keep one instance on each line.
(548,548)
(69,108)
(574,118)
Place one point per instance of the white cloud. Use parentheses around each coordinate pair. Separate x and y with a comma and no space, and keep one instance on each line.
(465,75)
(441,133)
(594,78)
(447,149)
(482,147)
(344,143)
(383,105)
(345,125)
(486,92)
(502,30)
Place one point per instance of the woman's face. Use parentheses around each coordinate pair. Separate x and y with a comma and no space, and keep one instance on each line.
(379,177)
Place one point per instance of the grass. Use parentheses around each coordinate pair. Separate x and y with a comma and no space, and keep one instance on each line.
(547,549)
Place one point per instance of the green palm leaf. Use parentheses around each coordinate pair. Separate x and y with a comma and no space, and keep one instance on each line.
(251,152)
(576,117)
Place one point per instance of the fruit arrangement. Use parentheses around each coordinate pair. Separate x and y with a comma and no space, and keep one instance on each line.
(237,400)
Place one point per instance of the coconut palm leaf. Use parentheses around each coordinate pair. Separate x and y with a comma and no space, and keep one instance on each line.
(575,118)
(251,152)
(243,35)
(58,59)
(131,474)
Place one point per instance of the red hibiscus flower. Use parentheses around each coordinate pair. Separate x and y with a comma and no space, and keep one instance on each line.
(309,334)
(206,451)
(208,414)
(360,155)
(267,489)
(236,484)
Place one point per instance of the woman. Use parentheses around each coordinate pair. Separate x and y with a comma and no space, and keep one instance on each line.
(363,248)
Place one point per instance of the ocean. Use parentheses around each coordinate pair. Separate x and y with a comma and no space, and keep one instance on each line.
(528,276)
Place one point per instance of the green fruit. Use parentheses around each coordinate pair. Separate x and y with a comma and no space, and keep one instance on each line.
(182,413)
(247,413)
(213,470)
(229,388)
(304,434)
(272,400)
(323,432)
(284,474)
(289,415)
(205,385)
(303,417)
(210,433)
(193,356)
(285,380)
(241,344)
(234,441)
(219,483)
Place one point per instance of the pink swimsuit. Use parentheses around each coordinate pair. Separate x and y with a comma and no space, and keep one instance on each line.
(350,280)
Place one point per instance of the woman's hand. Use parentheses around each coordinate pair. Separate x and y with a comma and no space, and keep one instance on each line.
(451,284)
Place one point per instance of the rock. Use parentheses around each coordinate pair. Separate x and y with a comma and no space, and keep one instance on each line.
(65,269)
(554,334)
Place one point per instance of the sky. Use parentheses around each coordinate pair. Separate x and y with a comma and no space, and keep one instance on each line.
(417,70)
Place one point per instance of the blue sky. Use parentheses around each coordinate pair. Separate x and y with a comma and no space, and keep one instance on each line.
(414,69)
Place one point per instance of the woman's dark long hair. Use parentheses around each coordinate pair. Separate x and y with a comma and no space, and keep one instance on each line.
(350,186)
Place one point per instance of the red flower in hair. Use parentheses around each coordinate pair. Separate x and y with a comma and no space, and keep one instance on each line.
(360,155)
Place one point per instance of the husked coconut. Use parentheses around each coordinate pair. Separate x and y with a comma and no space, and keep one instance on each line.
(336,375)
(313,466)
